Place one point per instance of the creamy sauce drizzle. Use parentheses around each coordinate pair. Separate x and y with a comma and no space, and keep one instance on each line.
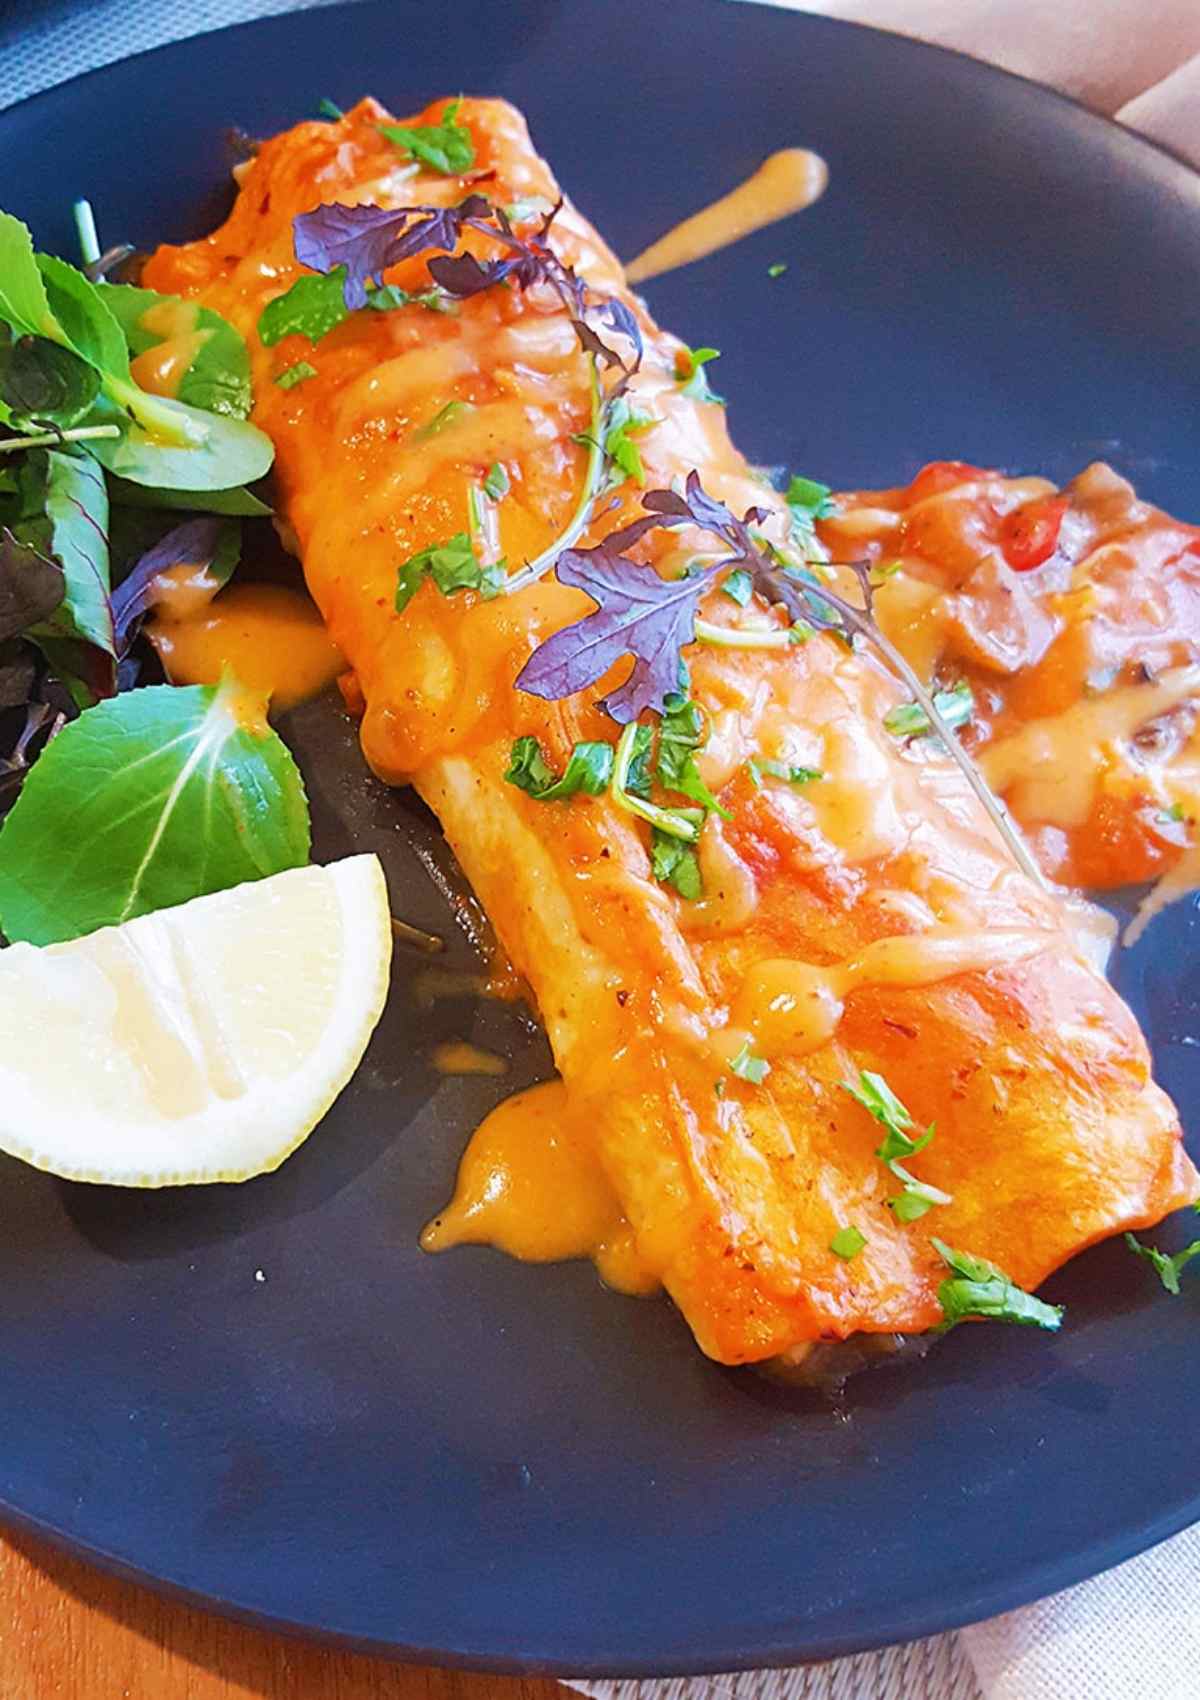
(459,1056)
(793,1007)
(271,637)
(784,184)
(162,369)
(530,1183)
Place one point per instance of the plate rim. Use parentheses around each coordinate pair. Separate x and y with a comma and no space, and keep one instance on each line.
(972,1605)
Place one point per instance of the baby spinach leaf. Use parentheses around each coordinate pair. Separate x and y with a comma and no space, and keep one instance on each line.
(218,378)
(41,381)
(83,315)
(239,501)
(150,799)
(23,302)
(220,454)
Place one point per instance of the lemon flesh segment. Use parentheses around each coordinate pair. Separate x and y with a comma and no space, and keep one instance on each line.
(201,1043)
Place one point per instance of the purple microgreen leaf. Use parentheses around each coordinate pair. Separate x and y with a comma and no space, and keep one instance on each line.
(637,614)
(208,544)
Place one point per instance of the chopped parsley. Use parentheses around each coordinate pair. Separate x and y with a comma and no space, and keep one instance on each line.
(691,376)
(389,296)
(1167,1266)
(589,769)
(978,1288)
(497,484)
(786,770)
(329,109)
(452,566)
(619,447)
(444,417)
(296,374)
(778,269)
(681,734)
(877,1097)
(807,502)
(676,864)
(909,719)
(446,147)
(739,587)
(754,773)
(847,1242)
(749,1067)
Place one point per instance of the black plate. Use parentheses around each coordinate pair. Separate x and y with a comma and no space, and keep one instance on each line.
(467,1459)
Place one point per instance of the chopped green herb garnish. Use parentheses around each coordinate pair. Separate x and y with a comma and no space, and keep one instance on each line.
(589,769)
(287,380)
(444,417)
(754,773)
(847,1242)
(676,864)
(452,566)
(681,733)
(389,296)
(778,269)
(312,307)
(1168,1266)
(627,782)
(909,719)
(329,108)
(876,1096)
(739,586)
(446,147)
(978,1288)
(623,425)
(807,502)
(793,775)
(497,484)
(692,378)
(749,1067)
(637,780)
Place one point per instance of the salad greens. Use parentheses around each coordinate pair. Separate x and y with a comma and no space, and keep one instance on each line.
(126,799)
(155,797)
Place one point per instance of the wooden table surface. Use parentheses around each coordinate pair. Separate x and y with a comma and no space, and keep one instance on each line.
(67,1632)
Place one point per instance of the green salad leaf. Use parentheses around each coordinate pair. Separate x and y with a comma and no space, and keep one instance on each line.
(152,798)
(31,588)
(238,502)
(218,378)
(43,382)
(165,443)
(65,508)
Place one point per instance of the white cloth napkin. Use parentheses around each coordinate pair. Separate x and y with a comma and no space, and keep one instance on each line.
(1133,1633)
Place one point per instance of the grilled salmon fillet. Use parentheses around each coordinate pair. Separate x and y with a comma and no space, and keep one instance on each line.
(869,920)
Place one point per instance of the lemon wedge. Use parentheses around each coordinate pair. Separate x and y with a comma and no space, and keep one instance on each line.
(200,1043)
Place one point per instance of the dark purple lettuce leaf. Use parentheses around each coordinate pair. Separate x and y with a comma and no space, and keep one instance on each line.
(637,614)
(32,586)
